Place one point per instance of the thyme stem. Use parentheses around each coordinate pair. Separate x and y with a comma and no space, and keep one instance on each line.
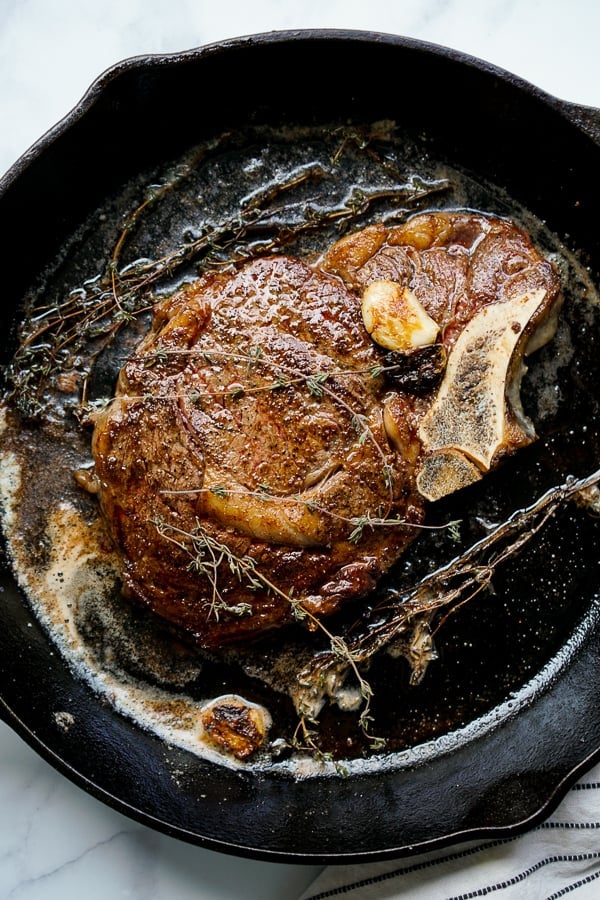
(459,581)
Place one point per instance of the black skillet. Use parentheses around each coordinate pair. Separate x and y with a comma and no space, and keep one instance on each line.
(500,772)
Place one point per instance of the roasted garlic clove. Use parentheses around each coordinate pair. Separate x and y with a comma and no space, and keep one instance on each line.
(235,726)
(477,414)
(394,317)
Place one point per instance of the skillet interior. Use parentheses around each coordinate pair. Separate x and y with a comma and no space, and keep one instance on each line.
(146,113)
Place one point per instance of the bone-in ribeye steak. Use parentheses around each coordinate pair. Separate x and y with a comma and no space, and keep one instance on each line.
(251,432)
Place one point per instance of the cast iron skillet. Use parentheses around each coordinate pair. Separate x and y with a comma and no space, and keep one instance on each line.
(491,781)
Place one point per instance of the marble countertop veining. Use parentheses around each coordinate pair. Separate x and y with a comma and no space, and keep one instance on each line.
(55,840)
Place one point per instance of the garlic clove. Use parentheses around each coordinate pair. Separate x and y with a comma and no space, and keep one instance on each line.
(395,319)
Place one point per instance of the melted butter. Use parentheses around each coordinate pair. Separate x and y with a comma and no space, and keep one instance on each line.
(79,571)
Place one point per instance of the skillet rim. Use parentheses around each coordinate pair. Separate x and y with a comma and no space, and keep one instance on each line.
(585,117)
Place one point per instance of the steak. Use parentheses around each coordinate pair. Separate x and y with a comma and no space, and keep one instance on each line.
(263,459)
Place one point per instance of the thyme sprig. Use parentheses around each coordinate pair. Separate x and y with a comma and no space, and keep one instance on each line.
(87,409)
(450,587)
(207,555)
(253,355)
(66,338)
(356,524)
(56,338)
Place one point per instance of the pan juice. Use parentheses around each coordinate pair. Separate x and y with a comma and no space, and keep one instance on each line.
(493,654)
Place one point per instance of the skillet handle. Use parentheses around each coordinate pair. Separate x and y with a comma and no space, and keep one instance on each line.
(587,118)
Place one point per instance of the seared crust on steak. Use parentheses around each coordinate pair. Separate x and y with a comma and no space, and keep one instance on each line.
(215,431)
(256,466)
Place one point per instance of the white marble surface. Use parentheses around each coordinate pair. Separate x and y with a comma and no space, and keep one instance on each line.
(55,841)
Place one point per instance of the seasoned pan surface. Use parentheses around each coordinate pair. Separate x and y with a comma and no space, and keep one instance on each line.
(506,716)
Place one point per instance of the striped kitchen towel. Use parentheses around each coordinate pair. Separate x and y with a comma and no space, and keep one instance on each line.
(559,857)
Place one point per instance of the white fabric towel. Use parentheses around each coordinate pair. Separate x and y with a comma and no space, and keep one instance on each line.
(559,857)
